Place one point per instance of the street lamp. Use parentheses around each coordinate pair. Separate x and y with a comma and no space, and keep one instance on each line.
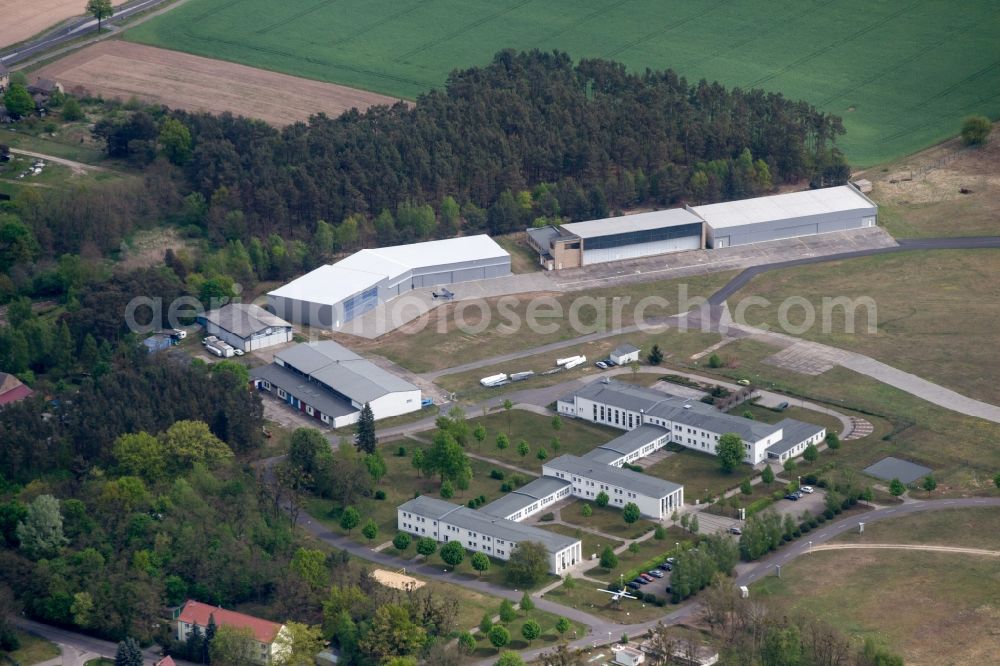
(800,481)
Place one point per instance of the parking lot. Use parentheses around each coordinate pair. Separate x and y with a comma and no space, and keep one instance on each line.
(814,504)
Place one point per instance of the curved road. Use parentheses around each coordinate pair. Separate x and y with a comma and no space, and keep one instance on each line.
(72,29)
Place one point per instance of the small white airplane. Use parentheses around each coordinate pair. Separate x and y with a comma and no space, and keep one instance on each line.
(617,596)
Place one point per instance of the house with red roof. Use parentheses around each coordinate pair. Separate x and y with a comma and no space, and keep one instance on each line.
(266,634)
(11,389)
(166,661)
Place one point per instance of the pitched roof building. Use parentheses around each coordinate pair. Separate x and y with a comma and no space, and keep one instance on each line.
(331,383)
(11,389)
(264,632)
(247,326)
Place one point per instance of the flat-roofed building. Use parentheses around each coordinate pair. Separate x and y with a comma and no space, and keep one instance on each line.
(618,238)
(335,294)
(529,499)
(478,531)
(786,216)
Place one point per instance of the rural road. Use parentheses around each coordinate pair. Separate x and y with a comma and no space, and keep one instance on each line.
(907,546)
(77,167)
(865,365)
(72,29)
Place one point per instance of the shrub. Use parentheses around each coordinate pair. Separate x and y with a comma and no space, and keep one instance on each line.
(471,504)
(804,527)
(548,517)
(649,598)
(401,451)
(380,494)
(586,511)
(659,533)
(506,487)
(633,547)
(497,474)
(975,130)
(813,522)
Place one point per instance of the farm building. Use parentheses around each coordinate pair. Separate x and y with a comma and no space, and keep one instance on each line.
(617,238)
(265,634)
(684,421)
(443,521)
(786,216)
(331,383)
(246,326)
(333,295)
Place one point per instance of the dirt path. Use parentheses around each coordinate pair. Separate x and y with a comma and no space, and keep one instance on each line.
(77,167)
(908,546)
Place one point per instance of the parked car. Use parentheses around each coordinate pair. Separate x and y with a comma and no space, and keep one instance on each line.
(782,406)
(792,496)
(744,382)
(632,586)
(671,560)
(666,566)
(238,351)
(646,577)
(798,495)
(655,573)
(735,530)
(808,490)
(602,365)
(639,580)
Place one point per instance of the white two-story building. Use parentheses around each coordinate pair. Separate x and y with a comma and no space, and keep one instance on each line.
(656,498)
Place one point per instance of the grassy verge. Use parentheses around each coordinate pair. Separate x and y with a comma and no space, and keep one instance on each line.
(961,450)
(605,520)
(549,637)
(586,596)
(931,607)
(505,331)
(935,312)
(673,343)
(575,437)
(33,650)
(968,528)
(699,472)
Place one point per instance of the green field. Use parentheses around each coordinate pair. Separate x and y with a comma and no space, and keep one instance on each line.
(902,74)
(933,608)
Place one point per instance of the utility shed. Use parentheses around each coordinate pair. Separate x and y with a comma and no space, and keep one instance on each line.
(786,216)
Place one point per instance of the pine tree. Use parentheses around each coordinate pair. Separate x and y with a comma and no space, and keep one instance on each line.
(209,635)
(655,355)
(365,438)
(129,653)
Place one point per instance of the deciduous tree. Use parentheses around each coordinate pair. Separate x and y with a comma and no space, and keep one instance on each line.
(480,562)
(531,630)
(349,519)
(41,531)
(100,10)
(452,553)
(975,130)
(631,513)
(729,451)
(499,636)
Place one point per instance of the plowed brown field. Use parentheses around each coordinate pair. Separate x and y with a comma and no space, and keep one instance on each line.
(22,19)
(121,69)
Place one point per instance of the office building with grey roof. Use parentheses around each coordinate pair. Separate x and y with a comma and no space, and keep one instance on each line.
(331,383)
(687,422)
(479,531)
(655,497)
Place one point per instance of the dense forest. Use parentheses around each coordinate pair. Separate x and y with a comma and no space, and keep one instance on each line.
(527,139)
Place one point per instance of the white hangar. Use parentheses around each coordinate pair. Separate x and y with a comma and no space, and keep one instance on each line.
(333,295)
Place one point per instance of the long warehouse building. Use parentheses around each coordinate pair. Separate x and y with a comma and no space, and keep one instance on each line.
(333,295)
(789,215)
(720,225)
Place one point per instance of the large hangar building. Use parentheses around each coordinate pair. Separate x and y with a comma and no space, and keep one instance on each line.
(333,295)
(719,225)
(786,216)
(617,238)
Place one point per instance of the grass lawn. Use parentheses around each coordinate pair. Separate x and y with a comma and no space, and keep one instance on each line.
(674,344)
(576,437)
(549,638)
(606,520)
(522,258)
(400,484)
(65,143)
(509,329)
(933,608)
(405,48)
(100,662)
(936,312)
(961,450)
(33,650)
(585,596)
(968,528)
(627,561)
(699,473)
(760,491)
(592,543)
